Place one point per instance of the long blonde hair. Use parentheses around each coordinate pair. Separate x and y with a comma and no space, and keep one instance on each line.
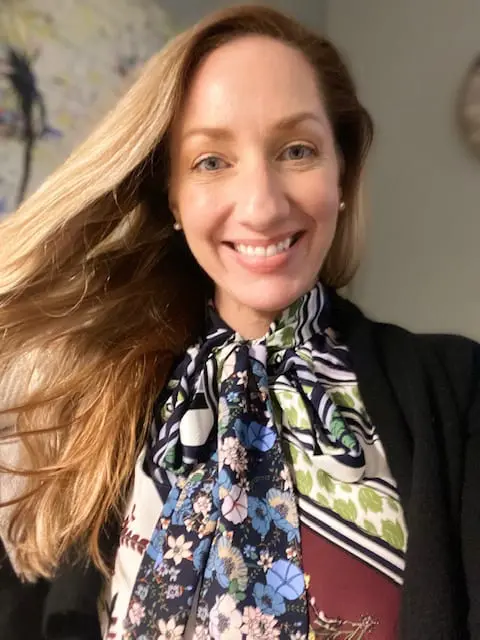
(94,282)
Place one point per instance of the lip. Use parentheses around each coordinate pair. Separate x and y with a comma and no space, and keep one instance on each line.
(265,264)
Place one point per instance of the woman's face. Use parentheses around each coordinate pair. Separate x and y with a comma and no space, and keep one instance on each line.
(255,178)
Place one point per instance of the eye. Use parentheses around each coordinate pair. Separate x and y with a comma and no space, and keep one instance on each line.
(297,152)
(209,163)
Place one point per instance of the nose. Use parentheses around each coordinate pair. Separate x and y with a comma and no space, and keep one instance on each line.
(262,203)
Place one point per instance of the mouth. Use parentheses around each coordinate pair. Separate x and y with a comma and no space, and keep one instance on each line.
(266,250)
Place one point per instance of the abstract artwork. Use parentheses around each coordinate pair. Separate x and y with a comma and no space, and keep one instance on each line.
(62,65)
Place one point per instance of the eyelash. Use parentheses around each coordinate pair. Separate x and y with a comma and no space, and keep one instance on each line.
(306,147)
(197,165)
(313,152)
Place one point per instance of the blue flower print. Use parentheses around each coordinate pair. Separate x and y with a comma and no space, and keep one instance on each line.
(184,511)
(259,371)
(142,591)
(211,562)
(268,600)
(171,501)
(259,512)
(200,553)
(230,565)
(250,552)
(224,480)
(255,436)
(283,511)
(155,548)
(286,579)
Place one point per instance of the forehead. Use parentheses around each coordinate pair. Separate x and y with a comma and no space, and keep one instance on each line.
(251,77)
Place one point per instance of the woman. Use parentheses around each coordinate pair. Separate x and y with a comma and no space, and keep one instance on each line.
(216,444)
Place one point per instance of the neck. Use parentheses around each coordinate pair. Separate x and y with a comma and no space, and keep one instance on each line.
(249,323)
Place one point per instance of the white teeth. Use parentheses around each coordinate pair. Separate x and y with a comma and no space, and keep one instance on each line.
(266,252)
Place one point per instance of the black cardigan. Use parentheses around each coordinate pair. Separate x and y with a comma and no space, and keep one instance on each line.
(423,395)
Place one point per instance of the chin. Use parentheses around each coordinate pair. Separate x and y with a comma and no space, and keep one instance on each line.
(270,300)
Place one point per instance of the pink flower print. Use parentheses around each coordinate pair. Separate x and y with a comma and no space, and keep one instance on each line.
(170,630)
(291,553)
(225,619)
(232,454)
(258,625)
(242,377)
(201,633)
(179,549)
(203,505)
(136,613)
(235,505)
(174,591)
(265,561)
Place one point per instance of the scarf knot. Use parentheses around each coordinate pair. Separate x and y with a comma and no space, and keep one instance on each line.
(189,409)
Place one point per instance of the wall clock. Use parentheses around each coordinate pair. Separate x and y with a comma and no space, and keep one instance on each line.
(469,107)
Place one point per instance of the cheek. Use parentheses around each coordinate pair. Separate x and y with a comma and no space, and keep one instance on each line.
(319,199)
(200,211)
(194,207)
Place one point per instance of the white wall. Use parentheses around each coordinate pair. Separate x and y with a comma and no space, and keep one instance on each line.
(422,267)
(186,12)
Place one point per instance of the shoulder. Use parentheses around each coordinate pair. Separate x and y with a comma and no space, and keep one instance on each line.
(405,357)
(354,324)
(451,348)
(458,355)
(445,366)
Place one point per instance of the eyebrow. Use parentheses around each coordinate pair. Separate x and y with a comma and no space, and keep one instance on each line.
(284,124)
(290,122)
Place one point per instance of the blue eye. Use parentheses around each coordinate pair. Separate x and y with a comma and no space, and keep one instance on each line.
(297,152)
(210,163)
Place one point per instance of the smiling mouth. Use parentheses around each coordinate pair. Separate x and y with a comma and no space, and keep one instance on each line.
(266,251)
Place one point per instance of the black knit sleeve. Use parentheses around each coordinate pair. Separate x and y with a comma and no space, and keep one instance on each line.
(471,504)
(21,605)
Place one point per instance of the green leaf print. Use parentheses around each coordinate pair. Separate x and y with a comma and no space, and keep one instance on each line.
(322,500)
(196,477)
(306,459)
(309,360)
(345,487)
(304,482)
(370,527)
(345,508)
(293,453)
(288,335)
(292,416)
(293,309)
(343,399)
(325,481)
(393,534)
(393,504)
(370,500)
(233,586)
(337,426)
(171,455)
(348,441)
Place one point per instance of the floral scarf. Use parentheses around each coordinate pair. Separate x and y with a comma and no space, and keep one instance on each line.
(216,454)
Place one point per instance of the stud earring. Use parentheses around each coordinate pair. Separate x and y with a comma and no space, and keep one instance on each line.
(177,226)
(342,206)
